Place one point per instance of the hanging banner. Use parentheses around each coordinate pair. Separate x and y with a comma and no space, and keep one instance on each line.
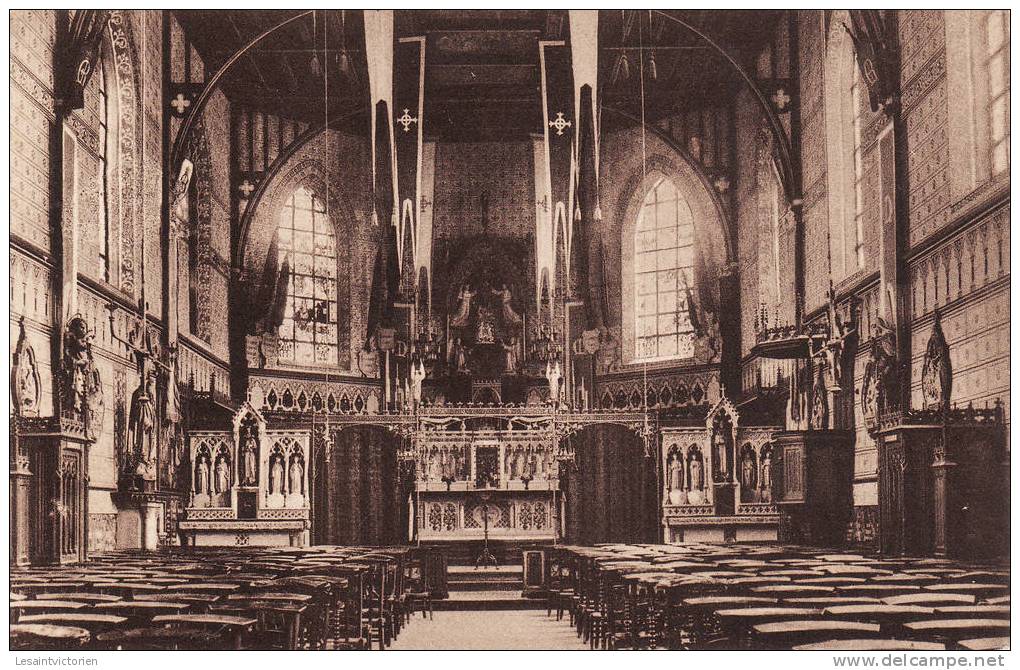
(379,55)
(559,125)
(423,242)
(408,108)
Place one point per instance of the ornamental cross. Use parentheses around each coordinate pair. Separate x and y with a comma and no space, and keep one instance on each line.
(406,120)
(781,99)
(246,188)
(180,103)
(559,123)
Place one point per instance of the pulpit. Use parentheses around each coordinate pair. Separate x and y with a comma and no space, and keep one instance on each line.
(813,483)
(943,483)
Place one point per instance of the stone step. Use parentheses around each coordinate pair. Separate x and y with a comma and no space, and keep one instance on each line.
(485,585)
(487,600)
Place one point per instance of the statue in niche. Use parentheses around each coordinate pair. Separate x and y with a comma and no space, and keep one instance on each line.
(486,333)
(766,475)
(720,454)
(819,403)
(696,480)
(937,373)
(25,382)
(202,475)
(222,475)
(553,374)
(460,356)
(435,466)
(518,464)
(510,356)
(249,459)
(142,424)
(295,484)
(510,317)
(748,476)
(276,474)
(676,471)
(460,319)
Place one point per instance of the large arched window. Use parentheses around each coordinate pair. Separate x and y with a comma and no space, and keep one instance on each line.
(992,60)
(843,108)
(308,334)
(663,275)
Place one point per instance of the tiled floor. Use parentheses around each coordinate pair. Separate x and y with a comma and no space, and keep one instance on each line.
(502,630)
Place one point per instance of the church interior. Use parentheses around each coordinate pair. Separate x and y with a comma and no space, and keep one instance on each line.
(509,329)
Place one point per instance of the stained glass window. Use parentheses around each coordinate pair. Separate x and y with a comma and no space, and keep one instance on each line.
(663,275)
(308,334)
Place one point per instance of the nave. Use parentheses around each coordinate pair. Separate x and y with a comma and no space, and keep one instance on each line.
(613,596)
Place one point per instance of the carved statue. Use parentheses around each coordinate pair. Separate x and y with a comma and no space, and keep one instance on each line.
(276,474)
(296,484)
(486,333)
(766,475)
(720,455)
(83,387)
(748,476)
(510,364)
(25,382)
(676,472)
(839,332)
(510,317)
(202,475)
(460,319)
(179,197)
(553,374)
(697,479)
(222,475)
(460,356)
(937,373)
(249,459)
(518,464)
(819,403)
(142,424)
(880,388)
(417,377)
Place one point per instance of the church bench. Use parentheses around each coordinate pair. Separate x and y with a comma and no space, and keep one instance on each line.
(158,638)
(956,629)
(735,623)
(90,621)
(237,628)
(787,634)
(984,644)
(871,645)
(39,637)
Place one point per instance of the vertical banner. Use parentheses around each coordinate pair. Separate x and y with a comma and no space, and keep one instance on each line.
(545,250)
(379,55)
(889,291)
(423,241)
(408,108)
(584,58)
(559,125)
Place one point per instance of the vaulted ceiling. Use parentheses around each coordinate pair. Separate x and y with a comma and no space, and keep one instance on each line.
(482,75)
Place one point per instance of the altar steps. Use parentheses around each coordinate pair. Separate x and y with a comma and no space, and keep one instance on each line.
(487,587)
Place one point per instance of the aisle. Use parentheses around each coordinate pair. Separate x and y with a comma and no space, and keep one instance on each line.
(494,630)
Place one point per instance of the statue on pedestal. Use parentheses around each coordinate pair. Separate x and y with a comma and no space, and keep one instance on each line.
(83,390)
(937,373)
(222,475)
(276,474)
(460,319)
(553,374)
(202,476)
(295,485)
(142,425)
(510,356)
(249,460)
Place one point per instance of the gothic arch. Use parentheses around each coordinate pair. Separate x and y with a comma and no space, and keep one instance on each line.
(713,244)
(257,238)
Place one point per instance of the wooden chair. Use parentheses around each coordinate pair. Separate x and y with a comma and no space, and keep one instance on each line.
(417,597)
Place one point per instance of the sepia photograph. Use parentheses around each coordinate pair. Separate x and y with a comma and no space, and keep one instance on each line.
(508,330)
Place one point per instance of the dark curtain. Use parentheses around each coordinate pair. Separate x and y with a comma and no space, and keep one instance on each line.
(360,495)
(612,493)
